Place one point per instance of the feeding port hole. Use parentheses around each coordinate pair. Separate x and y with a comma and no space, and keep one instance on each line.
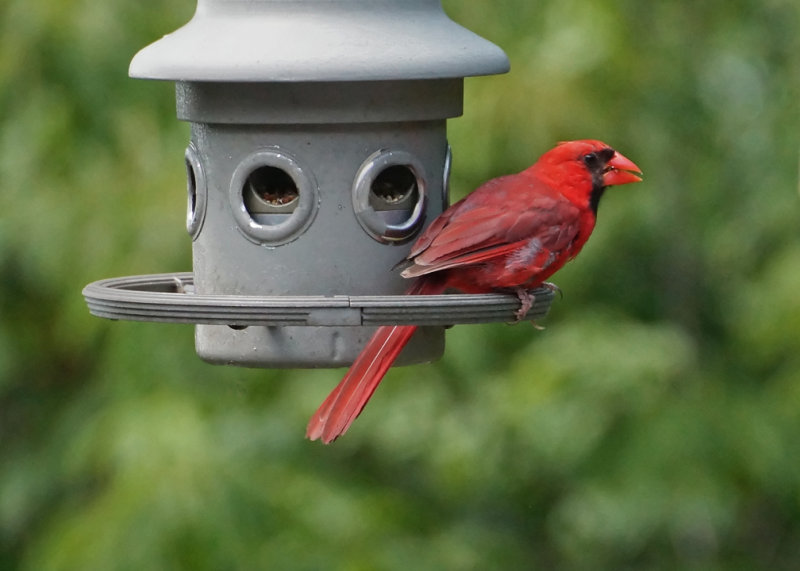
(191,188)
(269,191)
(273,200)
(389,196)
(395,188)
(195,191)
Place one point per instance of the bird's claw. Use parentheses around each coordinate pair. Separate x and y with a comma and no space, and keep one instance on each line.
(554,288)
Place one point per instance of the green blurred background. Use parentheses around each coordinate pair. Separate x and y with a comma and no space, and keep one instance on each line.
(655,423)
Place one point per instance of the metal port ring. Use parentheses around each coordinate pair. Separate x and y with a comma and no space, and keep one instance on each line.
(169,298)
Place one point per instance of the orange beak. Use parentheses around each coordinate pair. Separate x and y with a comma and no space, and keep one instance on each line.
(621,170)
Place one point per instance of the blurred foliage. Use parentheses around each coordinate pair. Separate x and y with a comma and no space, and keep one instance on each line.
(653,424)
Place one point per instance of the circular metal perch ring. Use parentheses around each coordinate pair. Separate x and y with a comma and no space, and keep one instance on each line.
(170,298)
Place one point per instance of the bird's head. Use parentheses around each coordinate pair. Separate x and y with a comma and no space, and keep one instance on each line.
(583,169)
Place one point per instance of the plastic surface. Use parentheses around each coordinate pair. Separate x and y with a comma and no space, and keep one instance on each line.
(343,40)
(170,298)
(319,248)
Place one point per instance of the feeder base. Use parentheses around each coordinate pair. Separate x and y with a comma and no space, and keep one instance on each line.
(304,347)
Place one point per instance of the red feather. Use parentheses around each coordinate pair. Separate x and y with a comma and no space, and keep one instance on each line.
(510,234)
(350,396)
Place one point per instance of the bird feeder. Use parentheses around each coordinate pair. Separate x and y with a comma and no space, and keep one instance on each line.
(318,153)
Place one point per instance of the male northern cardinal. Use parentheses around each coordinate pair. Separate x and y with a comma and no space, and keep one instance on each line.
(509,235)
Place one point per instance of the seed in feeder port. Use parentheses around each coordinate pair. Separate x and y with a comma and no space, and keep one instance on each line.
(273,185)
(394,184)
(279,197)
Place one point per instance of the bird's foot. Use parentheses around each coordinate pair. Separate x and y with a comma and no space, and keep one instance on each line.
(180,287)
(526,300)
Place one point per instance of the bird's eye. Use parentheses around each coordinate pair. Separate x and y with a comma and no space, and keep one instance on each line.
(597,160)
(591,160)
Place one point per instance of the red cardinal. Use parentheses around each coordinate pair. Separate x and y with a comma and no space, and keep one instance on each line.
(509,235)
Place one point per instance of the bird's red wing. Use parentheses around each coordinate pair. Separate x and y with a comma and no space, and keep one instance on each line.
(470,257)
(478,234)
(430,233)
(469,207)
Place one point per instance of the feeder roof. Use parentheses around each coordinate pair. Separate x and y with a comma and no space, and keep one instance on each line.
(318,40)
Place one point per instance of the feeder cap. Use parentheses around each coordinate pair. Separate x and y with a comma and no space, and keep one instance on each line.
(318,40)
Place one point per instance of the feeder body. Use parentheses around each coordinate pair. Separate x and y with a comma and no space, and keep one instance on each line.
(329,252)
(318,153)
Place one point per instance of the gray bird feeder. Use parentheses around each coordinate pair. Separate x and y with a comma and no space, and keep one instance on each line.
(318,153)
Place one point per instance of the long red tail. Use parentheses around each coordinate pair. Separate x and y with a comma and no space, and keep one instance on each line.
(348,399)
